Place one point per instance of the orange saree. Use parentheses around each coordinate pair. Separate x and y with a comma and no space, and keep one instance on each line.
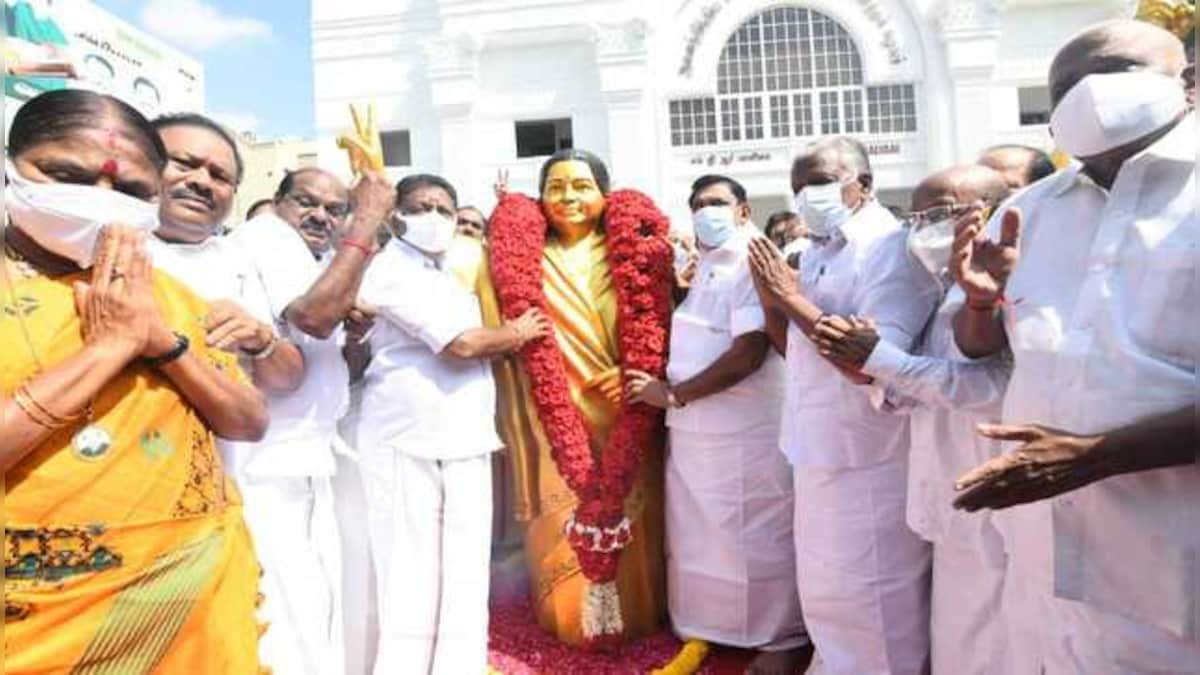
(131,558)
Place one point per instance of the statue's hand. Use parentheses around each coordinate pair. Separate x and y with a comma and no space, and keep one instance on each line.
(365,146)
(609,384)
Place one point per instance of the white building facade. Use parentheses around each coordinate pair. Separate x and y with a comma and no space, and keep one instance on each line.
(667,90)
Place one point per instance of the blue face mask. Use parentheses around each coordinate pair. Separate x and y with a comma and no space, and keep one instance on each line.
(714,225)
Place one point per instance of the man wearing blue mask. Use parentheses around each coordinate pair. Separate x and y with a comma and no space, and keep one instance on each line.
(1090,278)
(945,395)
(728,488)
(863,574)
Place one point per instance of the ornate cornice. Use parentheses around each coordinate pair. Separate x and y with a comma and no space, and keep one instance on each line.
(969,15)
(624,39)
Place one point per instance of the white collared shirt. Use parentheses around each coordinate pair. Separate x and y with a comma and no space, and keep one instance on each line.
(415,399)
(1103,319)
(262,269)
(865,270)
(216,269)
(303,422)
(946,395)
(721,305)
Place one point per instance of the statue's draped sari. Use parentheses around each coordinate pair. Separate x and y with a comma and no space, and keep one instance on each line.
(583,307)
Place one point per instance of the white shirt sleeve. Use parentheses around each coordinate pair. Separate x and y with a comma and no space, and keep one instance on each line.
(941,383)
(896,293)
(745,310)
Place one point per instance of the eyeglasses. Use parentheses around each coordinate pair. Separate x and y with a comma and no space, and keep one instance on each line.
(335,209)
(919,219)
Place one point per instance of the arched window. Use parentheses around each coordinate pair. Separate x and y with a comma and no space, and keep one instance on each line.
(791,72)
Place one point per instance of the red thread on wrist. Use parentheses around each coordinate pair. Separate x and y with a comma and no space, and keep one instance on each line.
(354,243)
(984,307)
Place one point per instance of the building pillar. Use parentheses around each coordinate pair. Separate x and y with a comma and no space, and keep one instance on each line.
(970,30)
(454,87)
(624,82)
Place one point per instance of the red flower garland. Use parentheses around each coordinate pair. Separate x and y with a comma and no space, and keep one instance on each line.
(639,258)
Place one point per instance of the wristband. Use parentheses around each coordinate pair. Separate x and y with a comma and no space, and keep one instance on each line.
(354,243)
(181,346)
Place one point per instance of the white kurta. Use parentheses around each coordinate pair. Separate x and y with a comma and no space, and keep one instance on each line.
(285,479)
(1104,329)
(426,434)
(863,574)
(946,395)
(731,576)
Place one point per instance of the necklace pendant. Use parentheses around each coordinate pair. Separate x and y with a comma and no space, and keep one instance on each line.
(92,442)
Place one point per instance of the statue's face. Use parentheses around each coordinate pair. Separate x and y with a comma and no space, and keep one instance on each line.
(572,199)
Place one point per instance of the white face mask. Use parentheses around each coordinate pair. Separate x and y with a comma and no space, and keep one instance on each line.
(714,225)
(1107,110)
(430,231)
(931,245)
(822,209)
(66,219)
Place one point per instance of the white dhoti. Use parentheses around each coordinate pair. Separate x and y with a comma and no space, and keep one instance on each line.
(430,527)
(294,526)
(731,568)
(863,574)
(967,632)
(360,619)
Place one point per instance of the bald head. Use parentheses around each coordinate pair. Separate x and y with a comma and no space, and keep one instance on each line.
(960,186)
(1112,47)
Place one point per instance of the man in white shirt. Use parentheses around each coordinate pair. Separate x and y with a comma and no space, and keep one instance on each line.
(863,574)
(946,396)
(1090,278)
(426,434)
(285,479)
(199,184)
(728,488)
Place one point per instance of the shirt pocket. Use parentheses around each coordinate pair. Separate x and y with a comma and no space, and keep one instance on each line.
(1161,300)
(696,342)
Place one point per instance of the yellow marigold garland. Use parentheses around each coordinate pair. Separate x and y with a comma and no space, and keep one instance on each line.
(687,661)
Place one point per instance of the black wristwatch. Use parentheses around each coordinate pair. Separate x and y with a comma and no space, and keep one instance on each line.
(181,346)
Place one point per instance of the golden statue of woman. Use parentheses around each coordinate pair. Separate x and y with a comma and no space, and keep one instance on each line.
(577,283)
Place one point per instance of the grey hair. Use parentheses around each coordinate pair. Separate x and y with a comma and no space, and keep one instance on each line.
(852,153)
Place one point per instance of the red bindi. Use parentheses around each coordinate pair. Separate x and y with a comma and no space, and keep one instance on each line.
(109,168)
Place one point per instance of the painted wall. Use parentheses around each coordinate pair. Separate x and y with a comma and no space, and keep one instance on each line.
(458,73)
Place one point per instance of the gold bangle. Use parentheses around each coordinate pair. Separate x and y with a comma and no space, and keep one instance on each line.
(58,420)
(27,405)
(54,416)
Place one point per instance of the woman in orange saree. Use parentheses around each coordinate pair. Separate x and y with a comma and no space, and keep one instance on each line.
(125,549)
